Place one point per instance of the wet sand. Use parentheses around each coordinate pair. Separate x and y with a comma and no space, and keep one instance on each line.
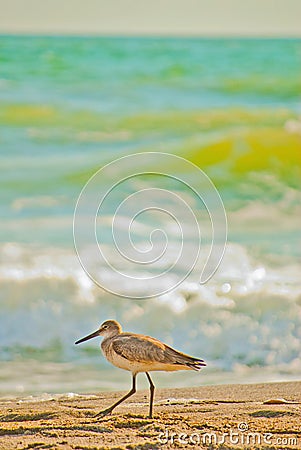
(224,417)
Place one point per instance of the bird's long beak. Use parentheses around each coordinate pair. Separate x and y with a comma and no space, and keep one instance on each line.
(86,338)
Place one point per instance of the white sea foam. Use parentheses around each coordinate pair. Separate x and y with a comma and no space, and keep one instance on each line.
(246,317)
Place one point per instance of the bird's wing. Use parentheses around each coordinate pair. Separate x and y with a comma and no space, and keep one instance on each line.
(135,347)
(139,348)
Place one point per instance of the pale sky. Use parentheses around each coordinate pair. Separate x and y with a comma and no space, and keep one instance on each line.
(152,17)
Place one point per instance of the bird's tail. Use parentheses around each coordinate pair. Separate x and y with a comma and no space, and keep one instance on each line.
(179,358)
(195,363)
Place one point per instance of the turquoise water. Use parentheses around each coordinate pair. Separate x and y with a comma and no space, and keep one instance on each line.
(70,105)
(126,75)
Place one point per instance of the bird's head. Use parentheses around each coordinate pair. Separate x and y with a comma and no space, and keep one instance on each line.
(107,329)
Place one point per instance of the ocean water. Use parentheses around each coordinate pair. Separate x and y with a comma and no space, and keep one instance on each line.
(70,105)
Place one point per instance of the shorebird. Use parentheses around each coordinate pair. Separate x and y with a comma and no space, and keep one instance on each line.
(139,353)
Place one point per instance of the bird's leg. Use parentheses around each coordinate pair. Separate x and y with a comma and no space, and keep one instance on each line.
(110,409)
(152,390)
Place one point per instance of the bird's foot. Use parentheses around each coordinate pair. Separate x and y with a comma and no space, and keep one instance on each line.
(103,413)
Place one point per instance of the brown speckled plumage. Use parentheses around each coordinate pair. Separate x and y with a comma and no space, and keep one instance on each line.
(139,353)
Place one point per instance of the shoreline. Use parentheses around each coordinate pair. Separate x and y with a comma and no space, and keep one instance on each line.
(229,416)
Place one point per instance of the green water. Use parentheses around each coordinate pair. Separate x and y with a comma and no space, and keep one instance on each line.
(70,105)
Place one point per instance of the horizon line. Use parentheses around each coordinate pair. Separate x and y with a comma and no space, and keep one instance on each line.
(92,34)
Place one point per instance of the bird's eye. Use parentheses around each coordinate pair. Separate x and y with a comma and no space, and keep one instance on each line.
(105,326)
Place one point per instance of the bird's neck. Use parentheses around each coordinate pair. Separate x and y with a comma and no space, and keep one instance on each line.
(107,339)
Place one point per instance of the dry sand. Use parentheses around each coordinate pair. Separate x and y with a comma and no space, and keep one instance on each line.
(224,417)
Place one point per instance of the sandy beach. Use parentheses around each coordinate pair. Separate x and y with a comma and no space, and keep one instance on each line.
(225,417)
